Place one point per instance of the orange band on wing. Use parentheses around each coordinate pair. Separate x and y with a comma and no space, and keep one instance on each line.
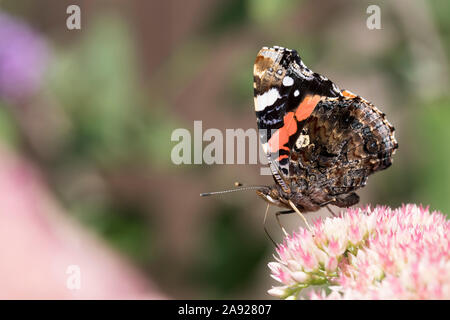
(306,107)
(281,137)
(348,94)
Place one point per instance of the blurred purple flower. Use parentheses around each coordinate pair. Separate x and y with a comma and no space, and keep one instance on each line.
(23,58)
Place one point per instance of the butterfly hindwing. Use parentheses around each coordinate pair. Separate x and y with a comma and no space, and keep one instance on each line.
(343,141)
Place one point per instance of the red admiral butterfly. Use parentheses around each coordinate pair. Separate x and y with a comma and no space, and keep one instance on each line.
(322,143)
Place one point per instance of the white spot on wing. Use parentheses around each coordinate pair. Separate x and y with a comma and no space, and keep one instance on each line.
(288,81)
(266,99)
(335,88)
(302,141)
(296,93)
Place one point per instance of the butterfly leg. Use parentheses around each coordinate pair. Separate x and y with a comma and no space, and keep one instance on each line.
(278,219)
(300,214)
(332,212)
(264,226)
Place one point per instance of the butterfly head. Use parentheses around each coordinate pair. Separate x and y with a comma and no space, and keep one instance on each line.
(272,195)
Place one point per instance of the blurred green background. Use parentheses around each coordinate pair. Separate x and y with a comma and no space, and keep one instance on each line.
(98,124)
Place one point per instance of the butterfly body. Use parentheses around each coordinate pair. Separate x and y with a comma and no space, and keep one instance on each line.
(322,143)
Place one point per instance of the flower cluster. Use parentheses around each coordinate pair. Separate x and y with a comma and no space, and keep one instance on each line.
(368,253)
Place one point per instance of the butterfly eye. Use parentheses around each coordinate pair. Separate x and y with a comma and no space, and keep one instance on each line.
(279,72)
(270,70)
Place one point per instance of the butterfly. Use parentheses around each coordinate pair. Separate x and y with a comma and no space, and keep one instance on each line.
(321,142)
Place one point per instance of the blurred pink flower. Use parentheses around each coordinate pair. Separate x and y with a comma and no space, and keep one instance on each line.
(368,253)
(46,255)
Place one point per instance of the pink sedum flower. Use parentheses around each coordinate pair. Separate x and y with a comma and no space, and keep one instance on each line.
(368,253)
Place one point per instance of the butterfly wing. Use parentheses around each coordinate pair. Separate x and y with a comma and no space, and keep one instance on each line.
(343,141)
(285,94)
(322,142)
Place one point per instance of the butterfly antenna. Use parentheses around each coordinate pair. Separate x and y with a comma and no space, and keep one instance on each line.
(231,190)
